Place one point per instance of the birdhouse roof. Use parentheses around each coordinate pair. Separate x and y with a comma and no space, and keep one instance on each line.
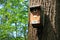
(34,6)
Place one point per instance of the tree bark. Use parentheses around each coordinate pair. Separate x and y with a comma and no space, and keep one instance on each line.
(49,27)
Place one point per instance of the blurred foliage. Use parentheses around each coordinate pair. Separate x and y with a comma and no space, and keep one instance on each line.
(13,19)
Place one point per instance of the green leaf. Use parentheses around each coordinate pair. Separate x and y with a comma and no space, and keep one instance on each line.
(21,0)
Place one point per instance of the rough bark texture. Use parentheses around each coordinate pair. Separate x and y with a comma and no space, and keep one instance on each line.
(49,27)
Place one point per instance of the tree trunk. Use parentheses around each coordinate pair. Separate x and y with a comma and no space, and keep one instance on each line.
(49,27)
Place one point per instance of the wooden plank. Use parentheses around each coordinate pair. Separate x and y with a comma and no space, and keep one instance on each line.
(34,3)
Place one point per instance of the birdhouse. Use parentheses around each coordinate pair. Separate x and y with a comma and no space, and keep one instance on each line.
(35,15)
(35,11)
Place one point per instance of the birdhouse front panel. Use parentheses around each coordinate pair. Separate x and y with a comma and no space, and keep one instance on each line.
(35,3)
(35,15)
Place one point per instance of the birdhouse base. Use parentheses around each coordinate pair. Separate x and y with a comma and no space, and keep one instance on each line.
(35,22)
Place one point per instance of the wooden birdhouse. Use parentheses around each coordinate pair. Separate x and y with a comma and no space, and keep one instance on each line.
(35,15)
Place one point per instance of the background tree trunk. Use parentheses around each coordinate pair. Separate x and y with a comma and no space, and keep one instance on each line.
(49,29)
